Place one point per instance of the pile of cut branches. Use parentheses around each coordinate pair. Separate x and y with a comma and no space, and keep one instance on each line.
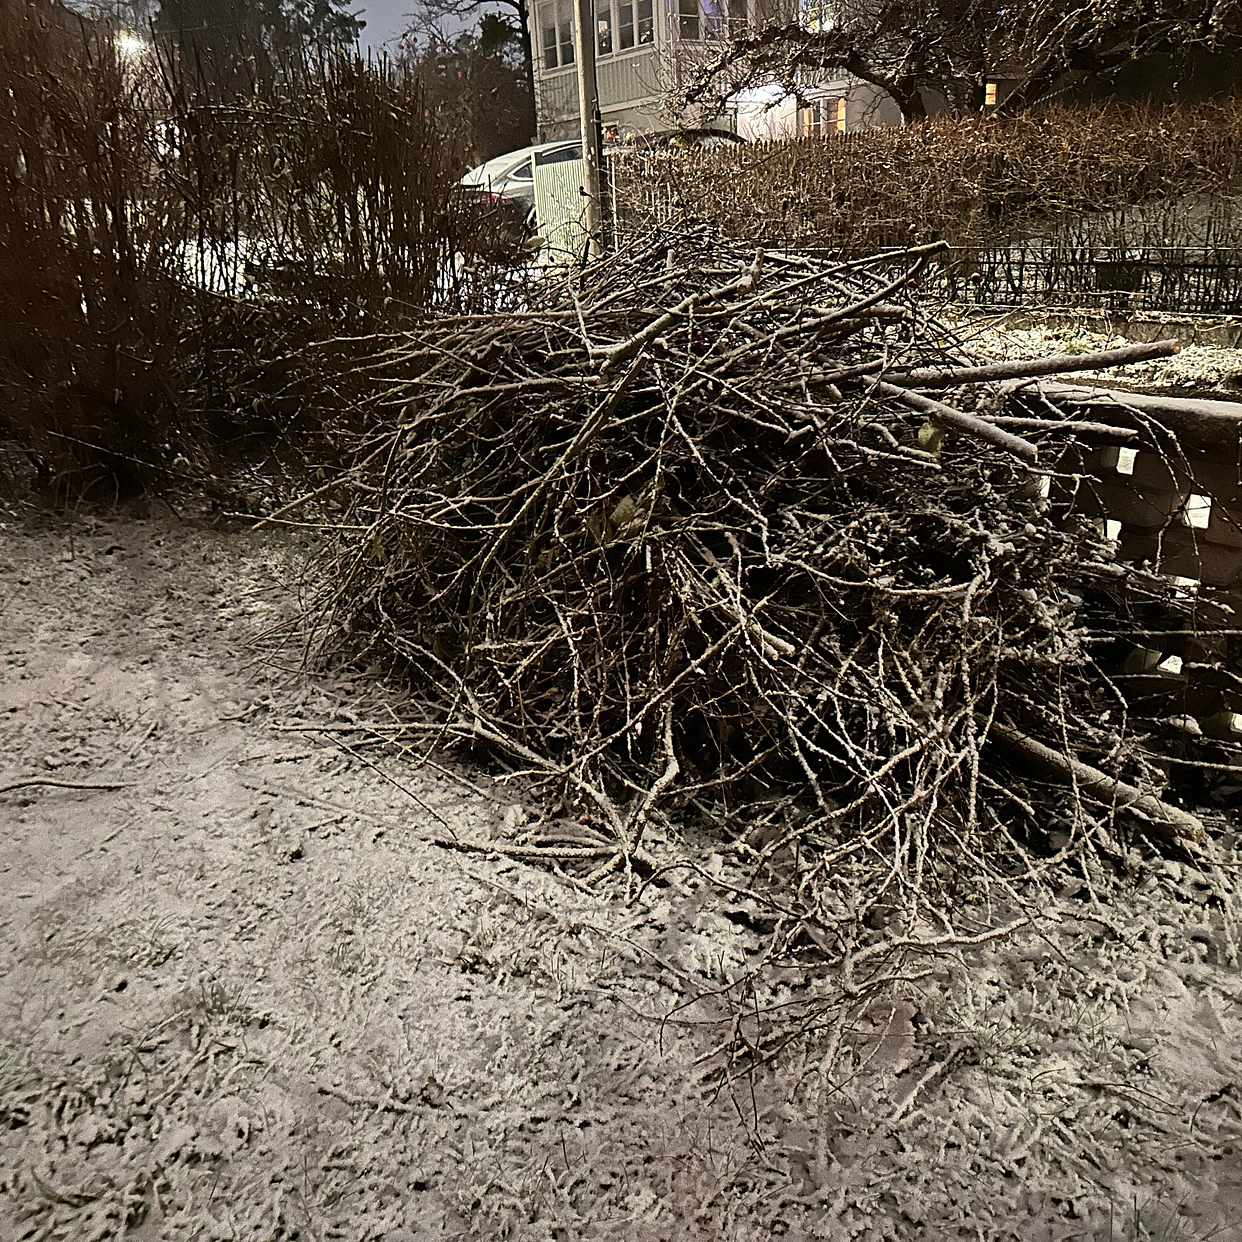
(710,536)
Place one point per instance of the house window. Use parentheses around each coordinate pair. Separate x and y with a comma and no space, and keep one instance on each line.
(624,24)
(819,16)
(724,19)
(711,19)
(646,21)
(556,33)
(989,95)
(560,155)
(824,117)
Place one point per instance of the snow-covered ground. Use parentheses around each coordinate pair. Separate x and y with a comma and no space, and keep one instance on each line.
(1201,368)
(252,991)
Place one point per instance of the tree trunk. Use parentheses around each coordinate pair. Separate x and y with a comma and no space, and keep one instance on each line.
(904,91)
(528,58)
(910,100)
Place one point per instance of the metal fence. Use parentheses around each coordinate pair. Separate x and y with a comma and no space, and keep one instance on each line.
(1043,272)
(1170,253)
(1178,279)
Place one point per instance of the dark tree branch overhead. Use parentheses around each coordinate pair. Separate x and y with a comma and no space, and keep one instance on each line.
(933,54)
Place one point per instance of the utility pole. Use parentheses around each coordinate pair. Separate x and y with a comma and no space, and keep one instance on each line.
(588,117)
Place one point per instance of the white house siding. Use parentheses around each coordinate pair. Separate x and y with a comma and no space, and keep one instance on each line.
(558,103)
(771,115)
(634,119)
(764,116)
(628,78)
(629,94)
(632,82)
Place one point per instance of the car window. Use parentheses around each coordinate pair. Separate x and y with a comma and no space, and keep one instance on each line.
(522,172)
(561,155)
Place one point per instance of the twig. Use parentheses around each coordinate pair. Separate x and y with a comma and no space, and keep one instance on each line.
(392,780)
(372,1103)
(616,356)
(51,782)
(528,852)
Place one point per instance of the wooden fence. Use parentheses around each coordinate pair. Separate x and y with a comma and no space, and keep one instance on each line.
(1179,513)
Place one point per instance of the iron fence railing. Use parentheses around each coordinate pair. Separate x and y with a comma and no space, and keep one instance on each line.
(1049,272)
(1178,279)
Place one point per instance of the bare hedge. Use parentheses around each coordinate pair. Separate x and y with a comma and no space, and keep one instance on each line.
(969,181)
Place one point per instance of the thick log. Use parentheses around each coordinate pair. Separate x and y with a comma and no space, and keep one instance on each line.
(1205,422)
(1170,822)
(1031,368)
(967,424)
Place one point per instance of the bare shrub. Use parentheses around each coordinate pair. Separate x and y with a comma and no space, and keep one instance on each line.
(92,317)
(170,246)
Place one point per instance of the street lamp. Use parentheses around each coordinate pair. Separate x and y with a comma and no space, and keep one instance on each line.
(130,45)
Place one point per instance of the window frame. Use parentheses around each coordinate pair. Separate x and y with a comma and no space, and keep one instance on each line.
(826,117)
(649,22)
(563,153)
(618,19)
(695,21)
(710,19)
(689,17)
(819,16)
(555,22)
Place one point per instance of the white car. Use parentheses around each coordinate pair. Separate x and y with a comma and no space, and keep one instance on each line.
(510,179)
(512,176)
(505,186)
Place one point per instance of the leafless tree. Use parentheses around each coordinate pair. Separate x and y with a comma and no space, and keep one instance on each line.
(936,55)
(430,16)
(476,80)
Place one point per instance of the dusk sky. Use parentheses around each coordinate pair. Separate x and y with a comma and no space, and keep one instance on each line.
(385,20)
